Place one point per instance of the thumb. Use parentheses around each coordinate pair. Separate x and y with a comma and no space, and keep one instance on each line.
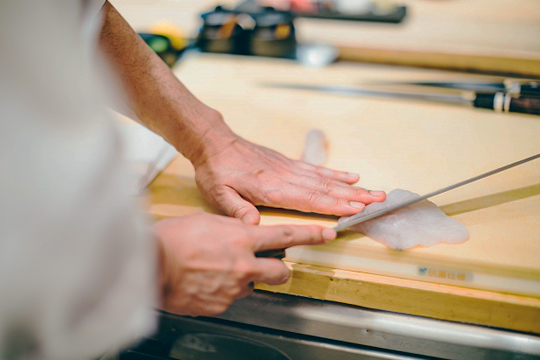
(234,205)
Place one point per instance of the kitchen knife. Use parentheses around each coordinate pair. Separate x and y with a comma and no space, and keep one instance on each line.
(499,101)
(530,88)
(360,217)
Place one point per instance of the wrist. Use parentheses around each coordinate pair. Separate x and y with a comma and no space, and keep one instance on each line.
(210,136)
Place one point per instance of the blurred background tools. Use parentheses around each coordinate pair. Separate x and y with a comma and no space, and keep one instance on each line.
(266,28)
(264,32)
(353,10)
(167,41)
(498,101)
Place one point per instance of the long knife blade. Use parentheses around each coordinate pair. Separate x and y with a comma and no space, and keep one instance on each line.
(498,101)
(463,85)
(515,87)
(360,217)
(354,91)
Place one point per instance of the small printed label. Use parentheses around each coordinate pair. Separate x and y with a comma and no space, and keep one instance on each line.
(445,274)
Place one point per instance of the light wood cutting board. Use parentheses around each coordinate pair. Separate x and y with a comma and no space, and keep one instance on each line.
(392,144)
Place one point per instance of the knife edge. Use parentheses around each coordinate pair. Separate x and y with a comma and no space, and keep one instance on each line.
(360,217)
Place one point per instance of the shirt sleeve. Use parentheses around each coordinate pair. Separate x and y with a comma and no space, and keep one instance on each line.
(77,264)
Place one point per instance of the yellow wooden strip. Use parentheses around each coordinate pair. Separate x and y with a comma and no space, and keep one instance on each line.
(454,61)
(412,297)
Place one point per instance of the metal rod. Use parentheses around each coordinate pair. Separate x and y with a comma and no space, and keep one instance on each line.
(358,218)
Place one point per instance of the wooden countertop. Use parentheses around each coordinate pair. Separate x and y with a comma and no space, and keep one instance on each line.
(492,279)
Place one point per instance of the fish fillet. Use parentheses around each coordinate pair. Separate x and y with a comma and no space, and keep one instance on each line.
(422,223)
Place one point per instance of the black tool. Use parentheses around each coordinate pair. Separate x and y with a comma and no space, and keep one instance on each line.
(266,32)
(278,254)
(516,88)
(273,35)
(221,32)
(499,101)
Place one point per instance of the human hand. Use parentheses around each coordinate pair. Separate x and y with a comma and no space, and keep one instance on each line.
(243,175)
(208,261)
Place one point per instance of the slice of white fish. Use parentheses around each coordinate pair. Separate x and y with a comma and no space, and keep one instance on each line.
(422,223)
(315,148)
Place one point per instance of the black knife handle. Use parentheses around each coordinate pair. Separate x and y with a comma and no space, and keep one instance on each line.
(278,254)
(485,100)
(519,88)
(502,102)
(532,90)
(525,104)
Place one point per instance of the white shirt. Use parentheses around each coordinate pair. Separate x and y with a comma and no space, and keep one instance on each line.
(77,264)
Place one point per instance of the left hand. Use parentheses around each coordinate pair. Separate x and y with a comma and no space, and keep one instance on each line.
(243,175)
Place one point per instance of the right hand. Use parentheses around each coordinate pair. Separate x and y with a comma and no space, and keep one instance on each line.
(208,261)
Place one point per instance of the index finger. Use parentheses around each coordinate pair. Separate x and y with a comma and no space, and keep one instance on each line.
(284,236)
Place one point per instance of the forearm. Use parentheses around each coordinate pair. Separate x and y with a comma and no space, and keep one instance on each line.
(156,96)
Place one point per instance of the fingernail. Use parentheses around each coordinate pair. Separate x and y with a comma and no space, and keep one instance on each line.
(357,204)
(376,193)
(353,175)
(329,234)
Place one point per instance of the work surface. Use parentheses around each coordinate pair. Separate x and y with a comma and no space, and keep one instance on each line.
(392,144)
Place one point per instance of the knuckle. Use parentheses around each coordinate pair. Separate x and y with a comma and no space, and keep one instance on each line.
(287,233)
(360,192)
(326,186)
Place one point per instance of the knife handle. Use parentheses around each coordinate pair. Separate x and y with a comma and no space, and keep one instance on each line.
(525,104)
(516,87)
(502,102)
(532,90)
(278,254)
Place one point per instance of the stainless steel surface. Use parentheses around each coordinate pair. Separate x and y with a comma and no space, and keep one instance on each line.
(355,91)
(380,329)
(207,339)
(360,217)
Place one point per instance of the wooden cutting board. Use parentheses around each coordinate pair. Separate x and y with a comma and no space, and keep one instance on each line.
(492,279)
